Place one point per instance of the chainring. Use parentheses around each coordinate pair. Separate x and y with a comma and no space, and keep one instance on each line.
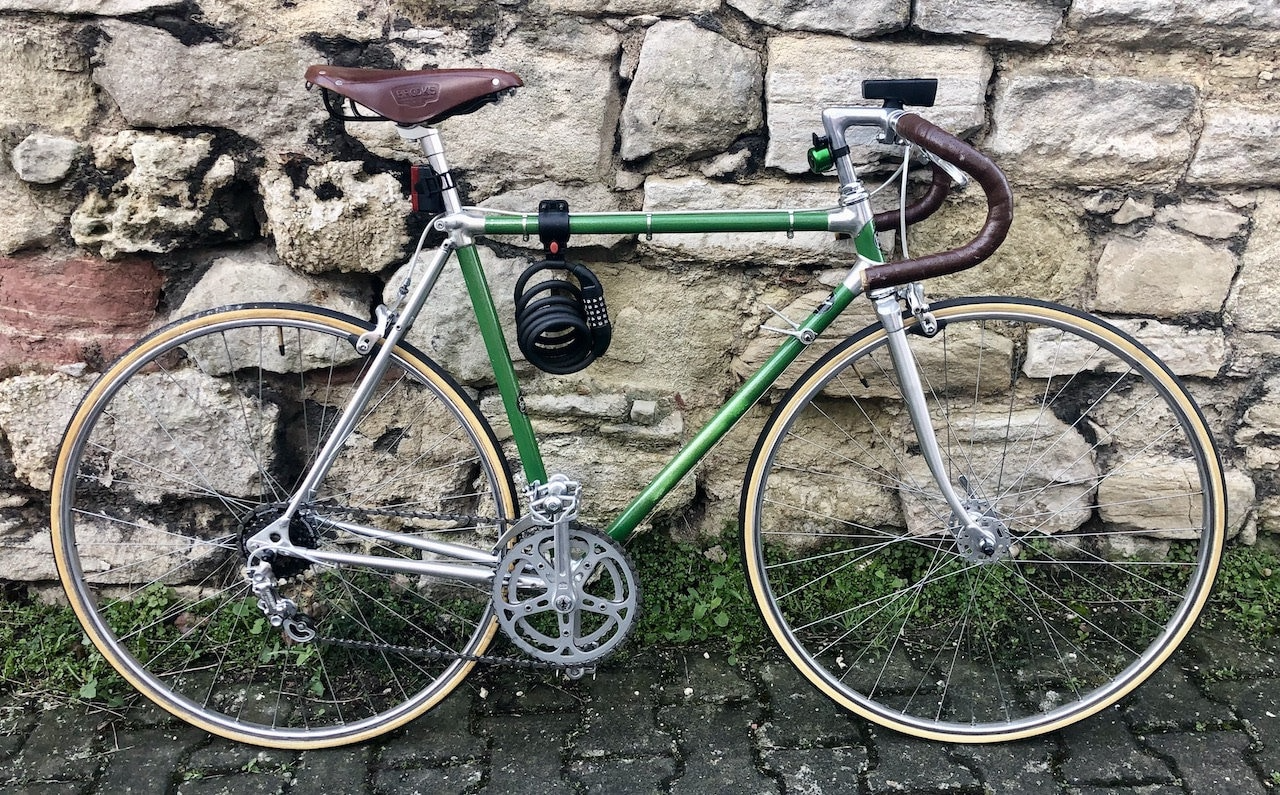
(574,620)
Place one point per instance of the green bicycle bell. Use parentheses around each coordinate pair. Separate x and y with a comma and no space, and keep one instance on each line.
(821,158)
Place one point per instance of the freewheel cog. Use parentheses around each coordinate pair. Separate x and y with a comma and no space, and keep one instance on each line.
(570,618)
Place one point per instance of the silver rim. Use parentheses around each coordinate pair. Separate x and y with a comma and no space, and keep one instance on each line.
(187,447)
(1086,460)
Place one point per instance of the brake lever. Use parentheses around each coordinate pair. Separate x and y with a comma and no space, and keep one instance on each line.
(958,177)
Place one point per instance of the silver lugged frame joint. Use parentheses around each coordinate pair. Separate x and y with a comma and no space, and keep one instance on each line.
(554,502)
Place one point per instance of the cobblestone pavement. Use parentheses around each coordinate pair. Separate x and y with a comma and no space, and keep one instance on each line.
(685,722)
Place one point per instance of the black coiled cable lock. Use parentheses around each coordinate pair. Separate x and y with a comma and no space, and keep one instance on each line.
(561,325)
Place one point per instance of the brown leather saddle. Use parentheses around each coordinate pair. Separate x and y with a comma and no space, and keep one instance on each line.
(422,96)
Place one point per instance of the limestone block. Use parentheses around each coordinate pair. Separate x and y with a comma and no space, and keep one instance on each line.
(842,480)
(1091,130)
(174,193)
(607,486)
(858,20)
(1209,24)
(26,551)
(694,92)
(44,159)
(335,217)
(762,344)
(44,75)
(696,193)
(102,8)
(665,8)
(1237,147)
(1262,419)
(601,407)
(160,428)
(1163,273)
(559,126)
(28,223)
(1050,474)
(1203,219)
(672,333)
(1046,255)
(1256,294)
(61,311)
(1251,352)
(253,275)
(1134,208)
(1160,498)
(1200,352)
(108,548)
(254,22)
(34,411)
(157,81)
(446,330)
(808,73)
(1017,21)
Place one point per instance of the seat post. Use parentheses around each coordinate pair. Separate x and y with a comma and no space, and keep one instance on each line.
(428,139)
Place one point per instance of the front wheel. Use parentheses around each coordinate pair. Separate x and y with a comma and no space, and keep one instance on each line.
(192,443)
(1078,450)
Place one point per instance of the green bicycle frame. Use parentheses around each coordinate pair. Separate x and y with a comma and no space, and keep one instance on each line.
(658,223)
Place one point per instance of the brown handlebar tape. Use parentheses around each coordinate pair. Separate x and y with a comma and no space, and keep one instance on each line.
(922,208)
(999,209)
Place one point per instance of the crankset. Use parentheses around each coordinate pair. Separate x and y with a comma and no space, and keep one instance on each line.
(565,594)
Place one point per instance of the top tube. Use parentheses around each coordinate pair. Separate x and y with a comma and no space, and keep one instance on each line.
(648,223)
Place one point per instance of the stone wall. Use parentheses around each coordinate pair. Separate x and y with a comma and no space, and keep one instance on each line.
(162,156)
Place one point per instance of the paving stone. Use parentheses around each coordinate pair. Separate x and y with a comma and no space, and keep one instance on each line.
(439,736)
(706,677)
(817,771)
(1210,763)
(1101,751)
(1219,650)
(1258,705)
(525,692)
(145,760)
(1013,767)
(801,717)
(1170,700)
(633,776)
(620,719)
(715,744)
(1123,789)
(236,784)
(344,770)
(527,749)
(437,781)
(224,756)
(60,748)
(905,764)
(44,788)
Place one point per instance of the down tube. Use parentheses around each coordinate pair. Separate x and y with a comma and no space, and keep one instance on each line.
(725,419)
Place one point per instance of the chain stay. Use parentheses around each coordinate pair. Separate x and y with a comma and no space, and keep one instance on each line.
(438,654)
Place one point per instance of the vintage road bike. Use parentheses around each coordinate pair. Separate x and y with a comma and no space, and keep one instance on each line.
(974,520)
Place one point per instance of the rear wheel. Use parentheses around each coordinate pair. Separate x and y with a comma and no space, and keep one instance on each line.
(192,443)
(1082,454)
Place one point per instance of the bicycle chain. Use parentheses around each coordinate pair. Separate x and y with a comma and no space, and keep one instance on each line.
(433,654)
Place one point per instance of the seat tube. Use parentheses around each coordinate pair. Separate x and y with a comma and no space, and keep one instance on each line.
(495,343)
